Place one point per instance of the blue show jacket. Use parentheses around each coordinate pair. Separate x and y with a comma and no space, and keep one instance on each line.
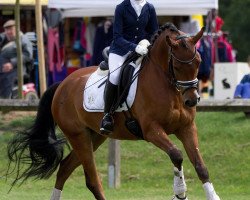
(129,29)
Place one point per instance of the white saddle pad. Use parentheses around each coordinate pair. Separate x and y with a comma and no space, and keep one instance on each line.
(93,95)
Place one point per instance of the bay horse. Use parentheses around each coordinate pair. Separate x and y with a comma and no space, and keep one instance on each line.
(165,103)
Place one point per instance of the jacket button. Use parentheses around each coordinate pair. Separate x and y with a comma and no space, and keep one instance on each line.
(137,28)
(135,36)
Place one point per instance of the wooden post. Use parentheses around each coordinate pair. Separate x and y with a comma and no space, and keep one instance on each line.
(40,47)
(19,50)
(114,164)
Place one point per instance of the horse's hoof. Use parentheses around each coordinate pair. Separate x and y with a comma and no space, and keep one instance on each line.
(214,197)
(176,197)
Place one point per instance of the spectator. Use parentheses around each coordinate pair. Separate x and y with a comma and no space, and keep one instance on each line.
(243,88)
(214,22)
(8,57)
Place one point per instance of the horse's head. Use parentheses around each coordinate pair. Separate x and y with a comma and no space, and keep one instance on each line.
(184,61)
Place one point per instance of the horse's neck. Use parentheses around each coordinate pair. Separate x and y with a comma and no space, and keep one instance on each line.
(159,58)
(155,73)
(159,54)
(155,77)
(157,93)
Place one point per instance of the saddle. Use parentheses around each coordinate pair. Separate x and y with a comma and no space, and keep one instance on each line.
(126,76)
(125,80)
(104,64)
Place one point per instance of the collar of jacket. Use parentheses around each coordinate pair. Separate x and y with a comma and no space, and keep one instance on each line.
(131,9)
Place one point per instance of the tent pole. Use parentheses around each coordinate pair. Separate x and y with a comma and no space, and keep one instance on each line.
(40,47)
(19,51)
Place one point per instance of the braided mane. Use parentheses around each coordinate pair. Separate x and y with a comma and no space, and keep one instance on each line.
(169,26)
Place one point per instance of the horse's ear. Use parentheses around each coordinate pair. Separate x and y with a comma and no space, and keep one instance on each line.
(198,36)
(171,42)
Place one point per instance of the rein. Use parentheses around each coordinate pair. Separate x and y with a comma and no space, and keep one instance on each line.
(182,85)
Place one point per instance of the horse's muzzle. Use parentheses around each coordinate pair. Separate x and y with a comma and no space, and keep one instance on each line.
(191,102)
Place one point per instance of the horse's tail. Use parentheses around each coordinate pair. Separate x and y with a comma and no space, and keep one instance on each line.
(37,147)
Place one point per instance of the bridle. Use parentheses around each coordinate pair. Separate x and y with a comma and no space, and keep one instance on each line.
(182,85)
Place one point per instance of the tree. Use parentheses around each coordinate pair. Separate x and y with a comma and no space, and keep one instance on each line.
(236,16)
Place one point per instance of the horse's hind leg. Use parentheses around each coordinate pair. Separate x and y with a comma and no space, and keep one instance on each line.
(67,166)
(190,142)
(71,162)
(84,149)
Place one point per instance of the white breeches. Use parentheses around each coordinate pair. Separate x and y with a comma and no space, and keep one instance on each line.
(115,63)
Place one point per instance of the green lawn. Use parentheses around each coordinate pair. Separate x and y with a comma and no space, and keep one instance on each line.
(146,172)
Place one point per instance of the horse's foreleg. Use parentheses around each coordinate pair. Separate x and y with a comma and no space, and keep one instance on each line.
(189,138)
(156,135)
(179,186)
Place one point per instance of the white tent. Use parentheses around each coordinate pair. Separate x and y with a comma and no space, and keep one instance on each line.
(94,8)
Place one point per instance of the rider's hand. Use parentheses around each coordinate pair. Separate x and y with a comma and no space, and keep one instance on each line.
(142,47)
(7,67)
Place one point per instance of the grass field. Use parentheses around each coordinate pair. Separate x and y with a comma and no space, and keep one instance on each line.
(146,172)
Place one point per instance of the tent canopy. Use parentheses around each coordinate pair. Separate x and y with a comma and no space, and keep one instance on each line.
(22,2)
(94,8)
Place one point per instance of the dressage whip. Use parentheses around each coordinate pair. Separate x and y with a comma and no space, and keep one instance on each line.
(130,58)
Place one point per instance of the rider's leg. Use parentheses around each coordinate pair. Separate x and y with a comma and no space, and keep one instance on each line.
(110,95)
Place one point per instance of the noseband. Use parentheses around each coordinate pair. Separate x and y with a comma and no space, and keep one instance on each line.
(182,85)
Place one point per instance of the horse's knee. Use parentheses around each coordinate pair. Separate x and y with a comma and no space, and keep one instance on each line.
(176,157)
(202,172)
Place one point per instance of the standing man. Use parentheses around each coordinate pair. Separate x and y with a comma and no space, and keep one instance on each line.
(8,57)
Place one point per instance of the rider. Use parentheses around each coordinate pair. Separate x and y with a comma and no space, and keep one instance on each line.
(134,23)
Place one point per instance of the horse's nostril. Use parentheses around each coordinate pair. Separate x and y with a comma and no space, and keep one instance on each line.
(191,103)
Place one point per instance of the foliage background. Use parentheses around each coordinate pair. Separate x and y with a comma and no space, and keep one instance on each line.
(236,16)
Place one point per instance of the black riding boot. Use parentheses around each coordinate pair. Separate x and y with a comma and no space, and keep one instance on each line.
(107,124)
